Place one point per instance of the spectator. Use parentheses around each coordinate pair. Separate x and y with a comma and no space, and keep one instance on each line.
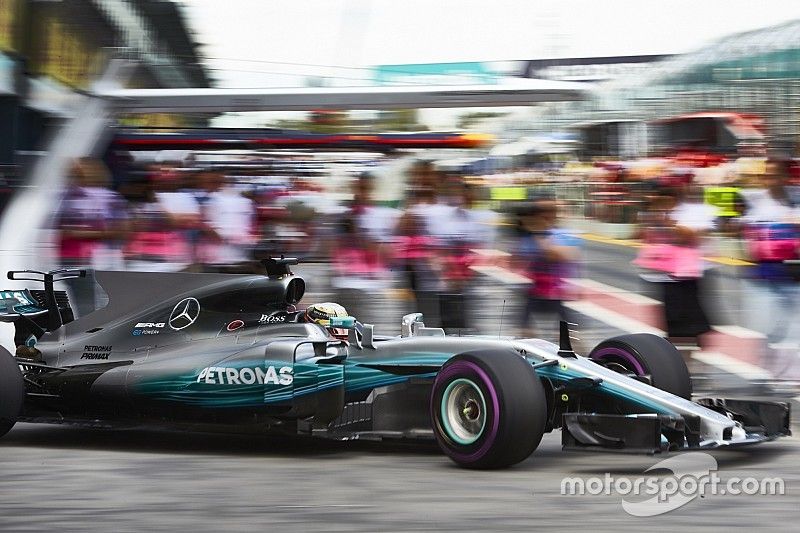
(158,242)
(92,221)
(547,256)
(772,238)
(415,254)
(91,218)
(228,221)
(672,258)
(425,200)
(463,228)
(361,261)
(375,223)
(177,198)
(684,297)
(434,217)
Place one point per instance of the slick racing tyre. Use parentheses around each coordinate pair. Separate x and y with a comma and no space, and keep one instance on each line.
(488,409)
(12,391)
(644,354)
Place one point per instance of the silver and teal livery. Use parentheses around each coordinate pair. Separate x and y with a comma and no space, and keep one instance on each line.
(224,352)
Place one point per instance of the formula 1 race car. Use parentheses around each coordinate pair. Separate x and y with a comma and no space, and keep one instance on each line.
(225,352)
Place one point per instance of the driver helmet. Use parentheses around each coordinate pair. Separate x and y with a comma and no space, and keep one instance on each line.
(322,313)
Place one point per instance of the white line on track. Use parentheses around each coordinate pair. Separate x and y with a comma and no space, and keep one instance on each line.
(731,365)
(612,318)
(630,325)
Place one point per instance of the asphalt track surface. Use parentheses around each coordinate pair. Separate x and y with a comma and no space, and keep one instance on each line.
(69,479)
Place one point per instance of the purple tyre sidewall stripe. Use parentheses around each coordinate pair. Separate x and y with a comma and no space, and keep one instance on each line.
(610,352)
(459,368)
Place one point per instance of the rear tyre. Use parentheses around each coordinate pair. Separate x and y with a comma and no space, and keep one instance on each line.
(644,354)
(488,409)
(12,391)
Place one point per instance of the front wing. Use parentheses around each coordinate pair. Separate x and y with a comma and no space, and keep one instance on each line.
(653,433)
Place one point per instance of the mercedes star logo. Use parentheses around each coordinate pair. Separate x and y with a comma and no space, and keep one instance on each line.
(184,314)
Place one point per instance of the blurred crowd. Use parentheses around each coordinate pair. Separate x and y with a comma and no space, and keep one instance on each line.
(202,218)
(428,249)
(174,217)
(164,223)
(674,229)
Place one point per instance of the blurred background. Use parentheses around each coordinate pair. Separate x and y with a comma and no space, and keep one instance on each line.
(628,166)
(649,183)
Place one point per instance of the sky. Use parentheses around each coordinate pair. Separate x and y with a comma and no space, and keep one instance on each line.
(279,42)
(283,43)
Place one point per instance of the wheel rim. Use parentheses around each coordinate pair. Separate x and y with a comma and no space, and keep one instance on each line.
(463,411)
(617,359)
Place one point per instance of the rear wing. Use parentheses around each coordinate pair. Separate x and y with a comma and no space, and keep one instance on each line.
(51,300)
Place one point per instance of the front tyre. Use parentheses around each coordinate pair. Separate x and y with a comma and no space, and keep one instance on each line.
(12,391)
(488,409)
(643,354)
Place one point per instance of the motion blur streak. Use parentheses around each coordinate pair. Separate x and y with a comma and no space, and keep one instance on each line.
(496,166)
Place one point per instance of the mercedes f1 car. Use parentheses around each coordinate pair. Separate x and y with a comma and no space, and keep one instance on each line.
(222,352)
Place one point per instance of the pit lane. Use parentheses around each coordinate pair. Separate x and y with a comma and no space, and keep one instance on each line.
(73,479)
